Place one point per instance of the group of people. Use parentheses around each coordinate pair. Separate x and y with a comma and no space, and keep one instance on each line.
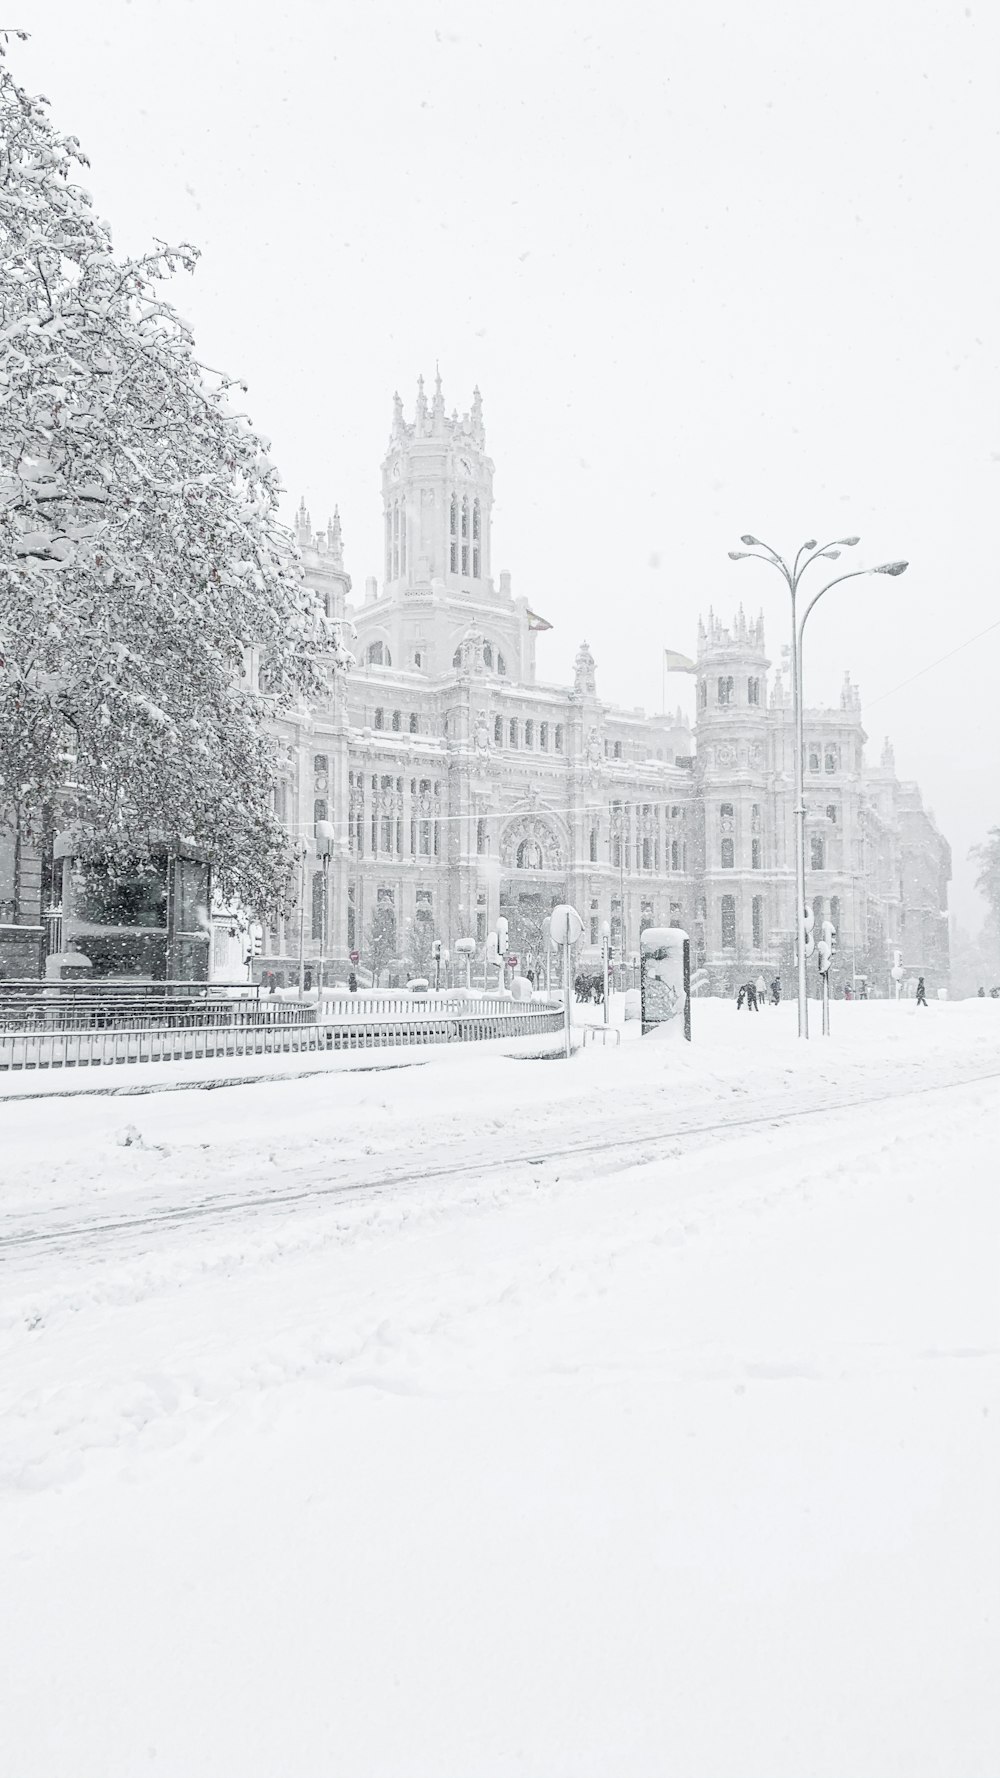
(754,994)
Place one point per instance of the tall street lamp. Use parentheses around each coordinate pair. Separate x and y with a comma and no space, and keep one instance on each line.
(810,552)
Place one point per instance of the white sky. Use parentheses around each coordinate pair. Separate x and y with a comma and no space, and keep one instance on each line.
(716,268)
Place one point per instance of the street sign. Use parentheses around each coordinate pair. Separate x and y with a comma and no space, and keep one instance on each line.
(512,962)
(355,956)
(565,925)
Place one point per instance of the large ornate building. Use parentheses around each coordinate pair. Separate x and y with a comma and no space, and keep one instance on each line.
(444,783)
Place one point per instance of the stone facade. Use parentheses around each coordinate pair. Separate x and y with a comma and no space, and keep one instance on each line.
(460,786)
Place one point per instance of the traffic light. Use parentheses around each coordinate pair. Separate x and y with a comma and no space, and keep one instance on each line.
(436,949)
(808,922)
(826,946)
(257,940)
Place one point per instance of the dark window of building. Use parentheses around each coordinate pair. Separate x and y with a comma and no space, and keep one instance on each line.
(397,721)
(726,689)
(755,855)
(413,722)
(498,731)
(593,845)
(728,922)
(529,733)
(513,731)
(481,835)
(380,719)
(319,811)
(559,737)
(320,763)
(543,736)
(831,762)
(831,811)
(813,757)
(817,852)
(753,691)
(727,854)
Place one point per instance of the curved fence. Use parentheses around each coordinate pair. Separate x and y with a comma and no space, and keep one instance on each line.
(463,1022)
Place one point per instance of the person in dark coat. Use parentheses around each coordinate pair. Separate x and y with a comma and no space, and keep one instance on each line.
(921,992)
(741,996)
(776,991)
(752,998)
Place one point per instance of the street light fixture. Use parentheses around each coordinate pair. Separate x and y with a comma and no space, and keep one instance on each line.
(792,575)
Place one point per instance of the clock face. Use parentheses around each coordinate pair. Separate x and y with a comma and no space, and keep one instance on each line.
(465,466)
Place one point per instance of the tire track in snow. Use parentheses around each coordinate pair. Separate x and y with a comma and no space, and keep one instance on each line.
(219,1209)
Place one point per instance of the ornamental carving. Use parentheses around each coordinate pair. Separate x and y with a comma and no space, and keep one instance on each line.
(531,843)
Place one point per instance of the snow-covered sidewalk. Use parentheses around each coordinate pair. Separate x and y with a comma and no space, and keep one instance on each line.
(633,1415)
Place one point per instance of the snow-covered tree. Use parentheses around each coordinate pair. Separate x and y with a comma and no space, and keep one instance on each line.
(380,940)
(987,856)
(142,562)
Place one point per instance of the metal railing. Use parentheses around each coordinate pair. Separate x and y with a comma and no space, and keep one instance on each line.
(55,1049)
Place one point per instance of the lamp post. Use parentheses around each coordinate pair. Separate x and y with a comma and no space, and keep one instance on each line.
(811,552)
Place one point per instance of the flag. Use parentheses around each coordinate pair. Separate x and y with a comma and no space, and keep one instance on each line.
(537,623)
(677,663)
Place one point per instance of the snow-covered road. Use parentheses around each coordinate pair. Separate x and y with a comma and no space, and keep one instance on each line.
(635,1415)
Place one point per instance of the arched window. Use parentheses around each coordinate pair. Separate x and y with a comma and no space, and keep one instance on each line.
(513,731)
(529,856)
(465,534)
(413,722)
(378,655)
(397,721)
(476,522)
(618,750)
(477,558)
(559,737)
(453,557)
(529,733)
(831,763)
(456,659)
(501,666)
(488,654)
(817,852)
(757,911)
(703,694)
(753,691)
(543,736)
(813,757)
(726,814)
(320,763)
(726,689)
(498,731)
(727,854)
(380,719)
(593,845)
(319,811)
(728,922)
(755,854)
(675,855)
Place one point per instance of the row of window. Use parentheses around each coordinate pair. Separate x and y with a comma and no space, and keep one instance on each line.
(386,904)
(397,721)
(727,919)
(462,557)
(726,691)
(512,732)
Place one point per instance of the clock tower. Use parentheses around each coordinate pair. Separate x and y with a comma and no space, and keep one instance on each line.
(437,495)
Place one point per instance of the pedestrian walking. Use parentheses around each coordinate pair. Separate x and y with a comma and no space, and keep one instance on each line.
(752,998)
(921,992)
(761,987)
(741,996)
(776,991)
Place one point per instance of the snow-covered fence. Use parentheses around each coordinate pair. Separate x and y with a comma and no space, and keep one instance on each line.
(473,1022)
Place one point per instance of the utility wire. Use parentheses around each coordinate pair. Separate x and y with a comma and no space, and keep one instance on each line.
(931,665)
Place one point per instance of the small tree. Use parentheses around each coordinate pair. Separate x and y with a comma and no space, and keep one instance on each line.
(987,856)
(380,942)
(419,948)
(142,564)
